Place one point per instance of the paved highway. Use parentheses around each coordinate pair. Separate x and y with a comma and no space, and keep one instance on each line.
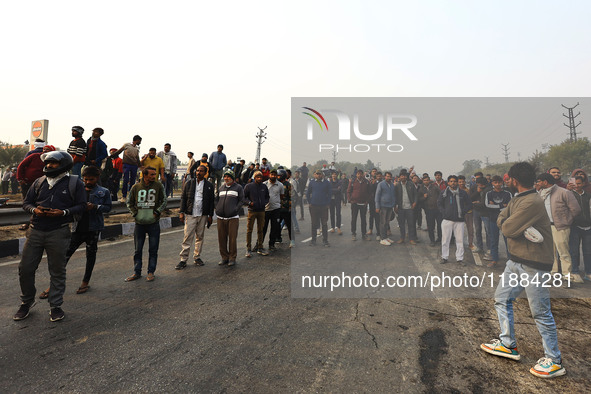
(220,329)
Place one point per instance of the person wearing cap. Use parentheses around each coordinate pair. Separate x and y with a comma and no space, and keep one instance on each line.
(115,178)
(256,197)
(131,162)
(53,200)
(203,162)
(217,162)
(77,149)
(229,200)
(318,196)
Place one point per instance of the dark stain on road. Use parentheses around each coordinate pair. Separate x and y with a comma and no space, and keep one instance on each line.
(432,347)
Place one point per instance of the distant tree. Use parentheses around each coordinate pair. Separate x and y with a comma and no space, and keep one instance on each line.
(11,156)
(570,155)
(538,160)
(470,167)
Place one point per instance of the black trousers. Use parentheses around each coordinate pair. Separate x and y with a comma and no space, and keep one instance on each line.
(90,238)
(362,210)
(273,217)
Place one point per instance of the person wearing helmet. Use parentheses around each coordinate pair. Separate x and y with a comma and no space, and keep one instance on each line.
(77,150)
(229,200)
(53,200)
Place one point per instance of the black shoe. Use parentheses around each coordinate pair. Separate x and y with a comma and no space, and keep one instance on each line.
(443,261)
(432,244)
(313,242)
(23,312)
(272,248)
(231,263)
(199,262)
(326,245)
(181,265)
(223,262)
(461,262)
(56,314)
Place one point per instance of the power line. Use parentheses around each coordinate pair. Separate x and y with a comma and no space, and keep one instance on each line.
(260,135)
(506,152)
(571,122)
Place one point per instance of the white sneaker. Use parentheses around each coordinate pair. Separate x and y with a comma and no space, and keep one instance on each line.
(378,238)
(292,244)
(575,278)
(331,230)
(487,256)
(385,242)
(546,368)
(389,240)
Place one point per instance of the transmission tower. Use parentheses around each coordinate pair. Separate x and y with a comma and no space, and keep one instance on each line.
(260,135)
(506,152)
(571,122)
(334,155)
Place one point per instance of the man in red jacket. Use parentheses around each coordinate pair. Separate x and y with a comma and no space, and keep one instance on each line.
(30,169)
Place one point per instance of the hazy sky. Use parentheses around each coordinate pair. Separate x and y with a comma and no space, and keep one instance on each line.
(196,74)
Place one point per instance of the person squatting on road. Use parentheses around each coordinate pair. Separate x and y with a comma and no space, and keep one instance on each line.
(53,200)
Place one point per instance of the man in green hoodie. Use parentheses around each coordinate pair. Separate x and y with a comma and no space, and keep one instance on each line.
(146,201)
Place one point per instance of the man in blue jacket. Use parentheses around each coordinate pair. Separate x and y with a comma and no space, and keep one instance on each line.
(96,149)
(88,228)
(217,162)
(53,200)
(385,201)
(318,196)
(453,203)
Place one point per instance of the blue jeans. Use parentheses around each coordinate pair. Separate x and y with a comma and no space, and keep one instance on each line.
(294,220)
(129,174)
(77,168)
(139,237)
(478,221)
(539,304)
(493,235)
(578,237)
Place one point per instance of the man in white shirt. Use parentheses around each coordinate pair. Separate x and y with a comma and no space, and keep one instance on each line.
(197,204)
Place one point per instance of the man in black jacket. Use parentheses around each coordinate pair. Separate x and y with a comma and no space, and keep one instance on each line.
(453,203)
(197,203)
(229,200)
(406,201)
(256,196)
(53,200)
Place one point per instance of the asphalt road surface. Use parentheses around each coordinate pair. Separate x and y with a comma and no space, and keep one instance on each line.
(220,329)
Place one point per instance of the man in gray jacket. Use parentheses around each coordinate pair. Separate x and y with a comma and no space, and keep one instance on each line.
(526,270)
(562,207)
(170,163)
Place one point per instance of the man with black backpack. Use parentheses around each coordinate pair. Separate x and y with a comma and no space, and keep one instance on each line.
(53,200)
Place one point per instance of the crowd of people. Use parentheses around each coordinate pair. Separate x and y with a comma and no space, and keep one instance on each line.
(69,190)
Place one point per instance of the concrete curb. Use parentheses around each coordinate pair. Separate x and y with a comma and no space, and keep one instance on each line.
(14,247)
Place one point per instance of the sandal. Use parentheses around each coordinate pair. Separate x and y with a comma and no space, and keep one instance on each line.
(44,294)
(25,227)
(82,289)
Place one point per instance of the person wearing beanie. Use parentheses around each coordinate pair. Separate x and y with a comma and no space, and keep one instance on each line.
(229,200)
